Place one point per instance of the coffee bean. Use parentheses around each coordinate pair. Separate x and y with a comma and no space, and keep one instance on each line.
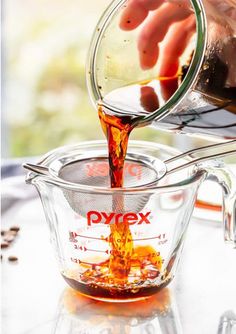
(13,233)
(9,238)
(4,244)
(12,258)
(15,228)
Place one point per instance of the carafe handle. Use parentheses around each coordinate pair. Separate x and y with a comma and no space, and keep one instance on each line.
(216,171)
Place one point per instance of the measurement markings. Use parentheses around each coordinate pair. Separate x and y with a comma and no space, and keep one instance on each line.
(93,265)
(107,240)
(96,250)
(85,249)
(87,263)
(86,237)
(157,237)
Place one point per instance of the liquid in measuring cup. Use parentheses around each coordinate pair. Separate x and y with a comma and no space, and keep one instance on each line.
(98,279)
(100,282)
(124,273)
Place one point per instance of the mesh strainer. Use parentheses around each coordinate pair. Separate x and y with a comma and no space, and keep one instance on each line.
(95,172)
(140,170)
(91,171)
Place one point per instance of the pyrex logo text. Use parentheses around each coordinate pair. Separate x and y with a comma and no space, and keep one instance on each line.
(102,169)
(130,218)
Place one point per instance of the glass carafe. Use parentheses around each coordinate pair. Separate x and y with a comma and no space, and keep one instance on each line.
(205,100)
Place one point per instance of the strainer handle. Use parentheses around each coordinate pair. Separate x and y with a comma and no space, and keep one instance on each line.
(200,155)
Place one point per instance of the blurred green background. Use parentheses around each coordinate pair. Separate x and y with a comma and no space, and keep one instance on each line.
(46,103)
(45,98)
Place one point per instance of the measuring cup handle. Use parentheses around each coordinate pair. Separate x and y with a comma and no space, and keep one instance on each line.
(217,171)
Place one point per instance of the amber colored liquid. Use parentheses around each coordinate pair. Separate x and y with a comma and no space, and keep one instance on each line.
(103,282)
(208,206)
(107,293)
(124,274)
(117,131)
(215,117)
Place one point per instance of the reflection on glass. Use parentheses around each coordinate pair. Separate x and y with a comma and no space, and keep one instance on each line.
(227,323)
(155,315)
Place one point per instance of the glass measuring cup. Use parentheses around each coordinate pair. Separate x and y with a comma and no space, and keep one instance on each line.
(141,256)
(201,100)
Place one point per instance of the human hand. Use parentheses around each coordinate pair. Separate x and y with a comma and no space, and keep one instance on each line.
(172,23)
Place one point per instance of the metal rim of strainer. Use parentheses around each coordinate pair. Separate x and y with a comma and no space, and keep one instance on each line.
(62,152)
(153,164)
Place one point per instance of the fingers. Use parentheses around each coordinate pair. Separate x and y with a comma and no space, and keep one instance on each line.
(168,87)
(136,11)
(174,46)
(155,30)
(149,99)
(151,4)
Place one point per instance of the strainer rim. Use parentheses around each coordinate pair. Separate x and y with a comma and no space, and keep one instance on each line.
(49,157)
